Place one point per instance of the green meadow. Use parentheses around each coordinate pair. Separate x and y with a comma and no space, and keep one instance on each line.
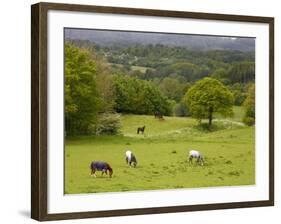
(162,154)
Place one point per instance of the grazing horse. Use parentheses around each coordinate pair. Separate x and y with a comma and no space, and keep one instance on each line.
(158,115)
(131,158)
(141,129)
(100,166)
(197,155)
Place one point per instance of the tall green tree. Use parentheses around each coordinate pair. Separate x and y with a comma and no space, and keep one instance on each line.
(81,96)
(105,86)
(239,93)
(172,88)
(249,105)
(139,96)
(208,96)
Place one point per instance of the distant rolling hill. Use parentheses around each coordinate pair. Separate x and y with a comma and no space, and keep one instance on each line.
(193,42)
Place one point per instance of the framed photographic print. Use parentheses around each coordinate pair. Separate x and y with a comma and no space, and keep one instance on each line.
(139,111)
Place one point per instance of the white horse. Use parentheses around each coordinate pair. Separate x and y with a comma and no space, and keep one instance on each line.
(197,155)
(131,158)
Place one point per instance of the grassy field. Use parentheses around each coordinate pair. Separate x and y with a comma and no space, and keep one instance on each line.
(162,155)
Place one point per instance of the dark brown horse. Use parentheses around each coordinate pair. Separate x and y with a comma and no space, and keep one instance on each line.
(141,129)
(158,115)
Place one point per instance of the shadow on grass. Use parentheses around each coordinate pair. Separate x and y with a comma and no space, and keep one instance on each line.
(217,125)
(205,128)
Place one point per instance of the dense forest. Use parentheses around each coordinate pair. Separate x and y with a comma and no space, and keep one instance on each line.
(102,81)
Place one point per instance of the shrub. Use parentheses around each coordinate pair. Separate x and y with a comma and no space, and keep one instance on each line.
(107,124)
(249,121)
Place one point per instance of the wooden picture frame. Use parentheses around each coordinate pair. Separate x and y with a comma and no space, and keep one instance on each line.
(39,110)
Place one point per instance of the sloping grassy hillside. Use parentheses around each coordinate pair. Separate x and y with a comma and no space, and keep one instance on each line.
(162,156)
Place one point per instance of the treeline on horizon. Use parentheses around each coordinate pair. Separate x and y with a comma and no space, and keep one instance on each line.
(103,81)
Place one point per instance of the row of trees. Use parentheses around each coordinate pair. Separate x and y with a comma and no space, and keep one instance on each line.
(174,80)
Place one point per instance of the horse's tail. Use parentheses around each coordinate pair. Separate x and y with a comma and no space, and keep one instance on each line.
(92,165)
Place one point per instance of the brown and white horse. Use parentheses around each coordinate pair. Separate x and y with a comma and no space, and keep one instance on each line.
(131,158)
